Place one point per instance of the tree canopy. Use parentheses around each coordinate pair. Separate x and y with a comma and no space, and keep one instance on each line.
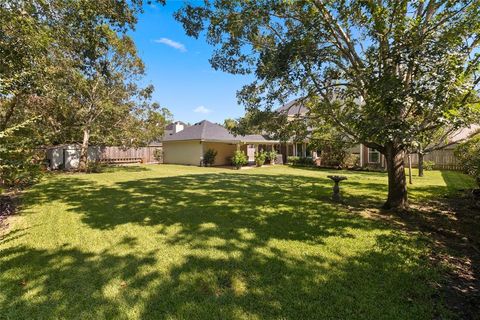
(69,73)
(384,72)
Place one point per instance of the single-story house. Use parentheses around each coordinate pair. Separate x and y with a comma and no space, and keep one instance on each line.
(190,144)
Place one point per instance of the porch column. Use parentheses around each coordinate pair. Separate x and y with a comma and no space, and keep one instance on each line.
(361,155)
(202,153)
(304,149)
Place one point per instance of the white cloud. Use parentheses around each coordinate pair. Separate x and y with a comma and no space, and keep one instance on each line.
(174,44)
(202,109)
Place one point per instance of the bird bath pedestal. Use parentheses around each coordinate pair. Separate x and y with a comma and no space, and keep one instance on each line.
(336,188)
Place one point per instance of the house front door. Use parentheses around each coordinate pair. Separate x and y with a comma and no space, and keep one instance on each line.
(251,153)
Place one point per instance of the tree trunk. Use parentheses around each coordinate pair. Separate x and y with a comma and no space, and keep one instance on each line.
(397,184)
(82,165)
(410,169)
(420,164)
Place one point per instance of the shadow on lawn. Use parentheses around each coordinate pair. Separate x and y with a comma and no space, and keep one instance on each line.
(69,283)
(125,168)
(282,207)
(452,221)
(247,276)
(278,285)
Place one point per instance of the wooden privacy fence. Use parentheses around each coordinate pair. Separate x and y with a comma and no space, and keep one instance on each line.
(443,159)
(130,155)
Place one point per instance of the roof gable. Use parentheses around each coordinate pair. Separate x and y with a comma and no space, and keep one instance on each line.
(203,130)
(208,131)
(293,108)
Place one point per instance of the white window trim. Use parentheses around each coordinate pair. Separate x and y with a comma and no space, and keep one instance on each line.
(371,151)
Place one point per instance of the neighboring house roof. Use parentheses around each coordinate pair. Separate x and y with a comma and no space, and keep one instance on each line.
(171,125)
(464,133)
(459,136)
(208,131)
(293,108)
(296,108)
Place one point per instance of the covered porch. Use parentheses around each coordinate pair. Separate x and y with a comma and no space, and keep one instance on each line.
(296,149)
(251,147)
(284,149)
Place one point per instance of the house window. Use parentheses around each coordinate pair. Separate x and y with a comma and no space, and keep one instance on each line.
(373,156)
(299,150)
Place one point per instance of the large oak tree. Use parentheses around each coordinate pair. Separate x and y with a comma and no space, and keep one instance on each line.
(69,65)
(384,72)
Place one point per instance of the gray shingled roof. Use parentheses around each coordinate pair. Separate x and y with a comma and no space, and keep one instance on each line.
(208,131)
(293,108)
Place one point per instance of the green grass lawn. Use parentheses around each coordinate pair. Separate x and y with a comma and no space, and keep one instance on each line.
(175,242)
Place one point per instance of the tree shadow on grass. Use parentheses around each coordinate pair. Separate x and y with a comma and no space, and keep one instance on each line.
(376,284)
(268,284)
(281,207)
(256,246)
(452,222)
(66,282)
(126,168)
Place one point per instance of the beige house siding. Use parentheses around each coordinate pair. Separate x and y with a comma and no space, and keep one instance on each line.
(224,151)
(355,149)
(182,152)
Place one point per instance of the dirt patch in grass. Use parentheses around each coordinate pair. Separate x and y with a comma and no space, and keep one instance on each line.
(8,204)
(453,225)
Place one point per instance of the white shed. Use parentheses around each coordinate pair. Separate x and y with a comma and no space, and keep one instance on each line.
(68,156)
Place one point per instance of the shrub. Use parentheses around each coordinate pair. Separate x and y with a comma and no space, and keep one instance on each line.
(293,160)
(20,162)
(469,155)
(209,157)
(239,159)
(351,161)
(300,161)
(338,157)
(94,167)
(428,165)
(306,161)
(260,158)
(373,167)
(19,174)
(158,155)
(271,156)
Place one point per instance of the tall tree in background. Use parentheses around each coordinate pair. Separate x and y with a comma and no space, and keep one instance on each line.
(105,86)
(69,66)
(384,72)
(145,122)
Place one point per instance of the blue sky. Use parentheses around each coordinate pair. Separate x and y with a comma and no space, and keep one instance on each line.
(178,67)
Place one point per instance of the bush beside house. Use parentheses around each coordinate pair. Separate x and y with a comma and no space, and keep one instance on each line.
(271,156)
(209,157)
(300,161)
(239,159)
(260,158)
